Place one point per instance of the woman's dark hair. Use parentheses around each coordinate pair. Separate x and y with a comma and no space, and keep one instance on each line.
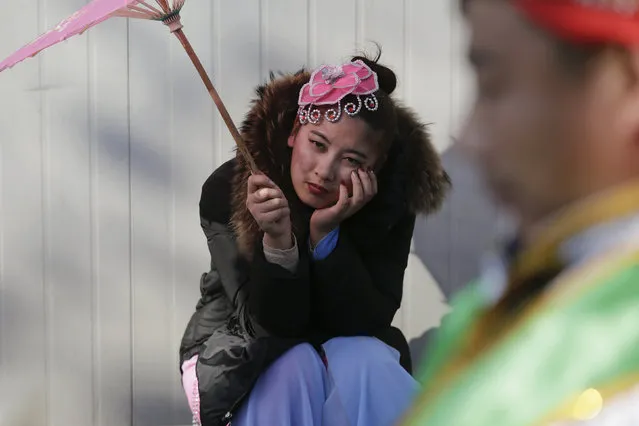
(384,119)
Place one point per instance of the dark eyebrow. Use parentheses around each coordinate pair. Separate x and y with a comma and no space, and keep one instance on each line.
(349,151)
(358,153)
(321,135)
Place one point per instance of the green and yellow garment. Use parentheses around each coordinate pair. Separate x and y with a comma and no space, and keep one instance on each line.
(560,346)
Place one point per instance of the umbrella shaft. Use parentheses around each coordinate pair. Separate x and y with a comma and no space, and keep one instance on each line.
(216,99)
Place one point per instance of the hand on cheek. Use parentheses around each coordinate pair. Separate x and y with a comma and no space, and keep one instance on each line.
(363,187)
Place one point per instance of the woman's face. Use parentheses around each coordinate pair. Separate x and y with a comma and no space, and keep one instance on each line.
(326,154)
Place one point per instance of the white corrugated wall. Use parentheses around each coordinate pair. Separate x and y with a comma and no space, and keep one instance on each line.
(105,141)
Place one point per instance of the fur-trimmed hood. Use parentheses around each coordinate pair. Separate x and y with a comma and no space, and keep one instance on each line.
(411,181)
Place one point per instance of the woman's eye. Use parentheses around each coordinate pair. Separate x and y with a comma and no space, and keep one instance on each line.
(354,162)
(319,145)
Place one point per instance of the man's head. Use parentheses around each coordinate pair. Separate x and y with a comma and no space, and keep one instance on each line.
(553,120)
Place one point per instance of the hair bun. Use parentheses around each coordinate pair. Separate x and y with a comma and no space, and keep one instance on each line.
(385,76)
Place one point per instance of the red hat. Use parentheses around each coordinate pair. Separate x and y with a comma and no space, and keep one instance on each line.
(586,21)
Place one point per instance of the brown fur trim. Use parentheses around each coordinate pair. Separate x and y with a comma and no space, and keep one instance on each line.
(427,181)
(266,129)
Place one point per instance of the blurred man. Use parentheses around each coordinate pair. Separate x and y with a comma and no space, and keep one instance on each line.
(549,334)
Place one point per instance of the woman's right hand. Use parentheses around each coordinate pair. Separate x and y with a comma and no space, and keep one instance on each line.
(271,211)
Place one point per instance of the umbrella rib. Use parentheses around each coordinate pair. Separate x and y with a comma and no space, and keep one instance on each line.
(123,13)
(146,12)
(154,9)
(164,5)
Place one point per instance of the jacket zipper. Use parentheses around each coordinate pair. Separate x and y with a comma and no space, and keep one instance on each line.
(228,417)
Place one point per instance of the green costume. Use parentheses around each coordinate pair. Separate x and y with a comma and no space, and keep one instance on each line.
(560,344)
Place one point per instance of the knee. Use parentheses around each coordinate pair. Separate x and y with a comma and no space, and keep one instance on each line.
(359,352)
(299,361)
(299,356)
(393,337)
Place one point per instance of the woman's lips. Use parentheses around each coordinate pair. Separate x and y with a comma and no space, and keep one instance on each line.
(317,190)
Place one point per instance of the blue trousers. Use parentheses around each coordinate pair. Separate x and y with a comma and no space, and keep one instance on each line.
(363,385)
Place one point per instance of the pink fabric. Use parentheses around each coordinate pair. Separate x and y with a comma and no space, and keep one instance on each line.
(191,389)
(330,84)
(90,15)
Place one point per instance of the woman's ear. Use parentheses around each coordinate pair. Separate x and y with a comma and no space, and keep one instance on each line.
(633,60)
(294,132)
(628,114)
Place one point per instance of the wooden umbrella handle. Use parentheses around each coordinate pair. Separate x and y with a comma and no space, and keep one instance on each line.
(176,28)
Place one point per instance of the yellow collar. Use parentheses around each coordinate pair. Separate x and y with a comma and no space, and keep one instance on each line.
(600,208)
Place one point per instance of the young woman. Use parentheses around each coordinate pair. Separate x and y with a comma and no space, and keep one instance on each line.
(308,256)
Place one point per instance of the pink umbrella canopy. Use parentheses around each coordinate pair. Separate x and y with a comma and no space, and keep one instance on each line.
(90,15)
(166,11)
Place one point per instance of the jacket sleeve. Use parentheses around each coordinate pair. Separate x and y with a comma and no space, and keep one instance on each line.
(269,298)
(359,293)
(278,300)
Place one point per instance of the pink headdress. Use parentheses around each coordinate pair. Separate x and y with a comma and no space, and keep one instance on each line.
(329,84)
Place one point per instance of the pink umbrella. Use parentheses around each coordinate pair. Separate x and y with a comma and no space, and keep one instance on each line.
(167,11)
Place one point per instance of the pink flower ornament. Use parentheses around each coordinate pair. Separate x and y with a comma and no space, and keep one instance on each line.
(330,84)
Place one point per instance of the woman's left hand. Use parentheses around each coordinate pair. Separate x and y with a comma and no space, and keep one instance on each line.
(323,221)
